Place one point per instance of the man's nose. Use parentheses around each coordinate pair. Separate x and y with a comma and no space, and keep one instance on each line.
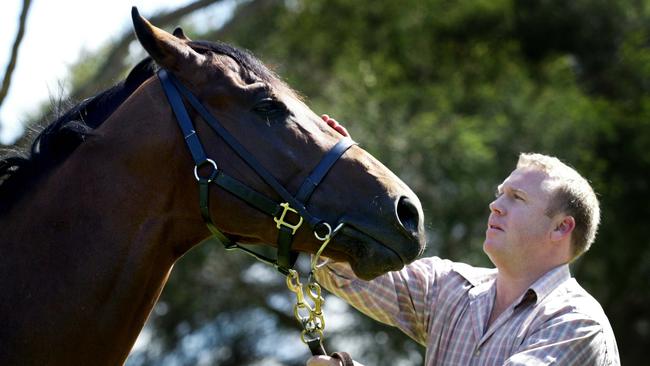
(496,208)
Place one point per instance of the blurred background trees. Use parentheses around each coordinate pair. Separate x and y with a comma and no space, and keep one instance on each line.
(446,94)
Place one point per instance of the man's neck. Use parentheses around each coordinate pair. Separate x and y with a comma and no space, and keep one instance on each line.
(511,286)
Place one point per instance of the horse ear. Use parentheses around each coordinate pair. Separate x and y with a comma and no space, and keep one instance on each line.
(178,32)
(167,50)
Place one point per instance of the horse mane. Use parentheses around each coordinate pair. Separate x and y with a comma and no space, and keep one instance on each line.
(62,136)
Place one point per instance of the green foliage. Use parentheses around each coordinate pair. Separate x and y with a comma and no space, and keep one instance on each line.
(447,94)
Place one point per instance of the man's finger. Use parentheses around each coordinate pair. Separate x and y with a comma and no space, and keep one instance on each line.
(323,361)
(335,125)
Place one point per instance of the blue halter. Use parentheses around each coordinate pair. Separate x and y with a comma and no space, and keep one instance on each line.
(292,205)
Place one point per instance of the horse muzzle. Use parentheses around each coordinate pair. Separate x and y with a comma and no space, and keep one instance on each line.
(373,249)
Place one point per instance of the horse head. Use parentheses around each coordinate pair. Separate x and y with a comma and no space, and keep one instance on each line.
(383,220)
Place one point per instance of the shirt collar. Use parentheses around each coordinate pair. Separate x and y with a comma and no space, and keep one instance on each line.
(545,285)
(474,275)
(482,281)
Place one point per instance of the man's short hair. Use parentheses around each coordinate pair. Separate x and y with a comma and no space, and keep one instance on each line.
(572,195)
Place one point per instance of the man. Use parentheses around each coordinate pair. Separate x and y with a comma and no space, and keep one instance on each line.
(526,311)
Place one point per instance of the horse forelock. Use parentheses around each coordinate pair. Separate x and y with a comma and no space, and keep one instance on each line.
(248,61)
(64,134)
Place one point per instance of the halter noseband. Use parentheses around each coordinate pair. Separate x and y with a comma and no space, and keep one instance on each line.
(294,206)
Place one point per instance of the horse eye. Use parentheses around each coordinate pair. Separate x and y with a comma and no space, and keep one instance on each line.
(270,108)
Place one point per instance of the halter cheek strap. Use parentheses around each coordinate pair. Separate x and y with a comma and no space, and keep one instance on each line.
(294,207)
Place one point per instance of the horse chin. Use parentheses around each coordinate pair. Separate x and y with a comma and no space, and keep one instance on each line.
(368,257)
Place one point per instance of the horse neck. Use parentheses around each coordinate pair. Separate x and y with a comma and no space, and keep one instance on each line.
(86,254)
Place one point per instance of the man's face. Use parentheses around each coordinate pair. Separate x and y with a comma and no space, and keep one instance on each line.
(518,228)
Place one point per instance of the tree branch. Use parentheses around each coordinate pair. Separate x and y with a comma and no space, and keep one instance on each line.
(114,63)
(6,82)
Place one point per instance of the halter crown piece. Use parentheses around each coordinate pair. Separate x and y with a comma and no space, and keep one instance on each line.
(292,205)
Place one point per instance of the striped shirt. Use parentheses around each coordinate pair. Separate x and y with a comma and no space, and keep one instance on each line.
(445,306)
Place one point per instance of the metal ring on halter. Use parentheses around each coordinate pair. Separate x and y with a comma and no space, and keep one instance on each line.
(214,171)
(326,236)
(326,239)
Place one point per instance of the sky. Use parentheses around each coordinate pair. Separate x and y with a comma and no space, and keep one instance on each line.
(56,33)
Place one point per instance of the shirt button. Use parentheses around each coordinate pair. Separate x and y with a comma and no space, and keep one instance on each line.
(478,352)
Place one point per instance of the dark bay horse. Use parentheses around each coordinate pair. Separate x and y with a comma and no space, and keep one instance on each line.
(93,220)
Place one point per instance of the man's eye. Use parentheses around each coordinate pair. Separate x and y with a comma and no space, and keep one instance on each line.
(518,196)
(270,109)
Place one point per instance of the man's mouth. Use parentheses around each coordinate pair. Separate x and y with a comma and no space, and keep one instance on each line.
(494,227)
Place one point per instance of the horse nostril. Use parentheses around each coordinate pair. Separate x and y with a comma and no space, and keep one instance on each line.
(408,215)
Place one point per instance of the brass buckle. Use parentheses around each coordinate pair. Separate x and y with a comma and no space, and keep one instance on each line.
(280,221)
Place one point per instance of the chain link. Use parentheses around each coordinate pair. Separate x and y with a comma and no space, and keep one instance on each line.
(310,316)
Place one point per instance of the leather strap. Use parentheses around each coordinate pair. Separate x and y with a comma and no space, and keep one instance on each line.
(316,176)
(250,196)
(316,347)
(183,119)
(286,258)
(344,357)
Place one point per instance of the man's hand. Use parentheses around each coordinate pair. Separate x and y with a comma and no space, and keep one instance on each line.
(327,361)
(323,361)
(335,125)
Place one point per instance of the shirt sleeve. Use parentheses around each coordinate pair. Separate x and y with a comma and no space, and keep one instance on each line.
(571,339)
(404,299)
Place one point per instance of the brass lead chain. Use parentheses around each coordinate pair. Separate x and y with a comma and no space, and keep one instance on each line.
(310,317)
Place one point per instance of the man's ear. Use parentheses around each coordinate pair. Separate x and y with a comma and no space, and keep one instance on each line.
(563,228)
